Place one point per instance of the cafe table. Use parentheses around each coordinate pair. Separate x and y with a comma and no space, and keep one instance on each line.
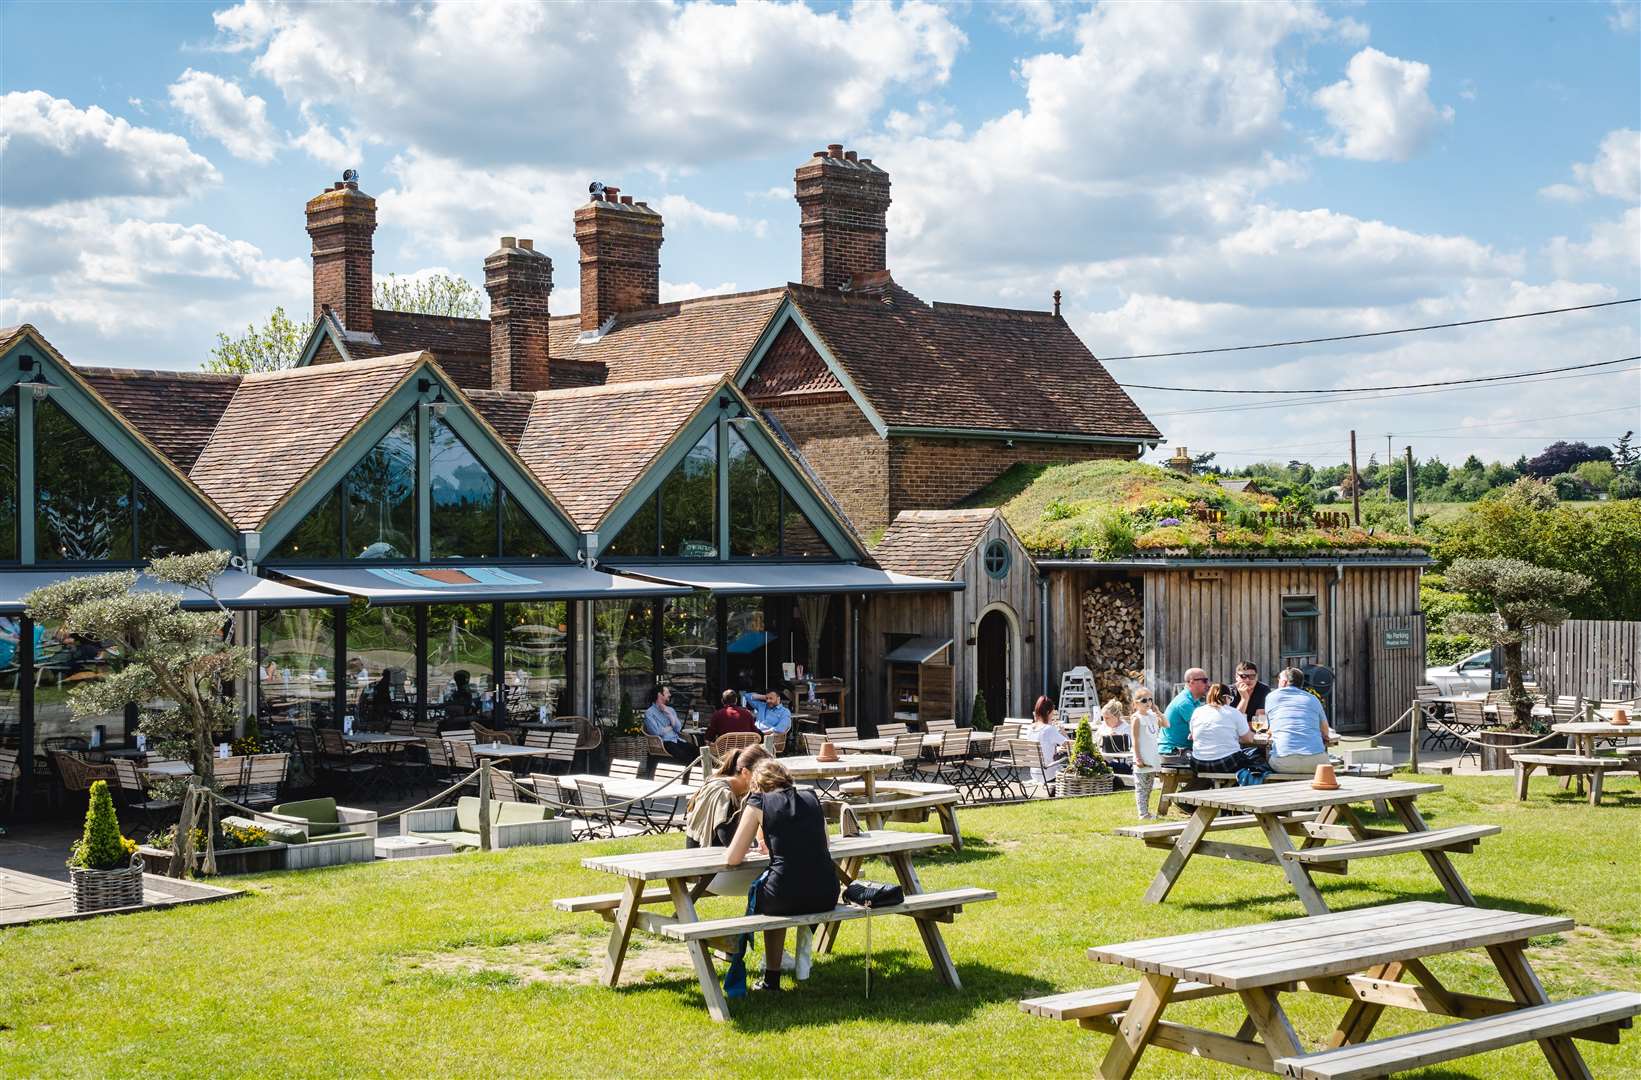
(867,767)
(1587,732)
(380,738)
(502,751)
(168,770)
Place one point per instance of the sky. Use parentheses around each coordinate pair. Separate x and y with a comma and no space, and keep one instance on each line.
(1189,176)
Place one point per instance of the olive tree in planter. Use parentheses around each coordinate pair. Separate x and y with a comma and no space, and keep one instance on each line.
(184,658)
(102,866)
(1087,773)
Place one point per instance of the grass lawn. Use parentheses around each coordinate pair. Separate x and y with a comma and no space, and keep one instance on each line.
(459,966)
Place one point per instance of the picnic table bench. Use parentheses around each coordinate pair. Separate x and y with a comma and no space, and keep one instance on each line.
(685,875)
(1571,763)
(906,800)
(1359,956)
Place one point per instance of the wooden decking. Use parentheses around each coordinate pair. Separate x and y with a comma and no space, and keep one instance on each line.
(28,898)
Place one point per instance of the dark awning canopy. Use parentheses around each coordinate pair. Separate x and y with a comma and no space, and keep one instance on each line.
(919,650)
(235,588)
(775,578)
(476,584)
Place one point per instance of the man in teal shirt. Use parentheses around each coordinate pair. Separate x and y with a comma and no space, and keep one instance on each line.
(1177,735)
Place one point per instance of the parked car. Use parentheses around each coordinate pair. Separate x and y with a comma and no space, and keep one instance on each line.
(1472,675)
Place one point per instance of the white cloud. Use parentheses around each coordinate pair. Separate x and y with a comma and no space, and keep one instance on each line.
(1625,16)
(1614,248)
(1616,170)
(52,152)
(517,82)
(688,290)
(1567,193)
(680,210)
(1381,110)
(1043,18)
(327,148)
(218,109)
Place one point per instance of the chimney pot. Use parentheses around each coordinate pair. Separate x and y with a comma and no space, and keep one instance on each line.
(620,258)
(865,161)
(626,200)
(612,194)
(527,245)
(849,155)
(834,149)
(509,241)
(820,153)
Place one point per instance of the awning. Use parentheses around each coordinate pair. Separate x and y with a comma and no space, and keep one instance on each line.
(235,588)
(919,650)
(772,578)
(477,584)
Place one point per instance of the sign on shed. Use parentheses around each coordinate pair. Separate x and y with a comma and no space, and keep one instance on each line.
(1398,638)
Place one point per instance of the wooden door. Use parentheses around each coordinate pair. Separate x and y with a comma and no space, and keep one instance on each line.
(994,664)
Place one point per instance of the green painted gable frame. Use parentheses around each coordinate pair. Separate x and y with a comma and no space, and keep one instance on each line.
(139,457)
(788,313)
(515,478)
(725,403)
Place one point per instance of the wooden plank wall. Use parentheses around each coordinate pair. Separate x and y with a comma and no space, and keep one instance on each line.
(1583,656)
(1018,592)
(895,613)
(1394,674)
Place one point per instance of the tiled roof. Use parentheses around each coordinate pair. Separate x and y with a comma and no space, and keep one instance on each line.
(707,336)
(174,410)
(508,411)
(587,446)
(460,346)
(282,424)
(952,365)
(931,543)
(791,367)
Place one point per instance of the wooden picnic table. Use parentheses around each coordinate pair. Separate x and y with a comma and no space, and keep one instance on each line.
(979,741)
(1587,732)
(865,766)
(1360,956)
(687,873)
(1288,808)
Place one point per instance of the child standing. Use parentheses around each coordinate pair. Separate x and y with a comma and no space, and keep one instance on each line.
(1146,724)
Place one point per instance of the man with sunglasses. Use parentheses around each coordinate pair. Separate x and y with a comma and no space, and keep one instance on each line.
(1250,692)
(1177,735)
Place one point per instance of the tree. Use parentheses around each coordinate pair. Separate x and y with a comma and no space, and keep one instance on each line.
(171,655)
(1625,455)
(277,345)
(1625,487)
(1472,464)
(1596,475)
(434,294)
(1521,596)
(979,719)
(1560,457)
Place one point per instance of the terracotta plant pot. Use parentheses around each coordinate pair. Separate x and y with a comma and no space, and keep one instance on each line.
(1621,717)
(1325,780)
(828,752)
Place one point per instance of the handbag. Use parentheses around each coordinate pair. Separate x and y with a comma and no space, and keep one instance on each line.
(873,894)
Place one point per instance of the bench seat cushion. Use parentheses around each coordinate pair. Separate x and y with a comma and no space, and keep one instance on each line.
(456,838)
(319,813)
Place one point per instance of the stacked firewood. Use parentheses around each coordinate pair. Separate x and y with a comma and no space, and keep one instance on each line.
(1114,637)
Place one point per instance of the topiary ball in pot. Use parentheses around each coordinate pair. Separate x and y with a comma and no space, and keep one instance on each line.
(100,865)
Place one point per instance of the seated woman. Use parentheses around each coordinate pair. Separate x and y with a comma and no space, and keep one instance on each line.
(1045,732)
(1115,736)
(1221,741)
(713,813)
(801,879)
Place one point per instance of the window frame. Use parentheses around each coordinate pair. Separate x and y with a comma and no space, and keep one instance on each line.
(1305,616)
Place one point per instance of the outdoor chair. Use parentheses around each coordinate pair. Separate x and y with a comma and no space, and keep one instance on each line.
(592,807)
(889,731)
(264,775)
(724,745)
(1469,718)
(812,743)
(1002,733)
(512,824)
(654,747)
(77,774)
(489,735)
(625,768)
(136,800)
(462,760)
(466,735)
(504,787)
(306,740)
(11,774)
(950,764)
(1436,735)
(909,749)
(401,725)
(439,767)
(229,775)
(839,733)
(324,834)
(349,767)
(931,727)
(1027,764)
(589,736)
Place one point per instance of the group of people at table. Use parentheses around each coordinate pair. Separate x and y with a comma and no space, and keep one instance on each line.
(1212,727)
(750,712)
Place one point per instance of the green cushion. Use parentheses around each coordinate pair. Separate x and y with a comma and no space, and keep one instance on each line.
(319,813)
(467,813)
(512,812)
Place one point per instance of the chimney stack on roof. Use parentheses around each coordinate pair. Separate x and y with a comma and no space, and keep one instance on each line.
(843,200)
(519,280)
(341,221)
(620,243)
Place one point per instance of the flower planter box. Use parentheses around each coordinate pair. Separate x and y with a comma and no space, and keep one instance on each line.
(1496,746)
(251,860)
(1070,785)
(631,747)
(101,890)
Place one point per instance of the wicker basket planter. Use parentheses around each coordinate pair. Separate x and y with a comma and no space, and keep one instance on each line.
(100,890)
(1070,784)
(632,747)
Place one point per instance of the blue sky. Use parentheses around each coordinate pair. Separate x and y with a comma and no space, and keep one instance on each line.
(1190,176)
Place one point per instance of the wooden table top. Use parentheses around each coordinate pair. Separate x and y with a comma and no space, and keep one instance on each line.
(884,744)
(1631,730)
(504,750)
(1317,946)
(699,862)
(1281,798)
(808,767)
(365,738)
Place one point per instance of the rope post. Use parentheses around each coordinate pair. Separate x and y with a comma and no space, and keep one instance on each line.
(484,804)
(1413,737)
(179,854)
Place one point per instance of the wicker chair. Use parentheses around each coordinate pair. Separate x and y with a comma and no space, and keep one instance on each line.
(589,736)
(724,745)
(77,774)
(489,734)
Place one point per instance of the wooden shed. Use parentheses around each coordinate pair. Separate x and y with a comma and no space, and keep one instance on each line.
(1355,613)
(992,623)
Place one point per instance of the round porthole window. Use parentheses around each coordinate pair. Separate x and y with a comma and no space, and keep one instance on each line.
(996,558)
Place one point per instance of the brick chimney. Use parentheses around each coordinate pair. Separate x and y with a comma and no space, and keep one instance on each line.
(341,221)
(842,199)
(620,256)
(519,280)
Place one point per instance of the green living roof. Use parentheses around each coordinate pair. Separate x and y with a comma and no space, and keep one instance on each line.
(1113,509)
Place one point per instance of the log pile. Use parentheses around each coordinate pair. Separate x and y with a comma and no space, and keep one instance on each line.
(1113,621)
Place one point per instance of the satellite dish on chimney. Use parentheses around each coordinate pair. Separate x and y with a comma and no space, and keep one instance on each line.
(595,188)
(350,176)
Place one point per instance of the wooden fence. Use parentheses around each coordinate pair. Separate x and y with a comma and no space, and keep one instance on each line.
(1585,657)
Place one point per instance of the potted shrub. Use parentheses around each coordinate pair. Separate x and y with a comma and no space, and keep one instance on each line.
(627,739)
(979,720)
(1087,773)
(102,866)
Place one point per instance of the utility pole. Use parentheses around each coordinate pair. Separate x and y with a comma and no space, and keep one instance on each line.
(1355,484)
(1390,455)
(1409,482)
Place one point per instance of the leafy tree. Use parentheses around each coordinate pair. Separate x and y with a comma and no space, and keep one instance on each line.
(1625,487)
(1596,475)
(435,294)
(1569,486)
(979,720)
(1472,464)
(1560,457)
(1521,596)
(276,345)
(1625,455)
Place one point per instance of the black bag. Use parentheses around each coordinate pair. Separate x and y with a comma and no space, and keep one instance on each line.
(873,894)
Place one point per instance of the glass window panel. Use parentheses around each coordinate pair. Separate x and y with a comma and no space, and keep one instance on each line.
(459,641)
(296,665)
(11,662)
(623,655)
(463,494)
(521,537)
(689,502)
(381,663)
(1299,626)
(82,495)
(749,642)
(160,531)
(537,657)
(689,653)
(63,661)
(382,497)
(8,475)
(317,536)
(800,539)
(637,537)
(754,502)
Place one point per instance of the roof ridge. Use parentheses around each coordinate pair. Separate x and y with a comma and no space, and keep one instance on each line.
(121,372)
(320,370)
(707,379)
(955,513)
(429,315)
(943,306)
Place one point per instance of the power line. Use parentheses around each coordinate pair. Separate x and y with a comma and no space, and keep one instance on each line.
(1369,334)
(1393,386)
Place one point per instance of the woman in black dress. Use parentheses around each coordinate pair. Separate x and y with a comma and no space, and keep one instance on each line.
(801,879)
